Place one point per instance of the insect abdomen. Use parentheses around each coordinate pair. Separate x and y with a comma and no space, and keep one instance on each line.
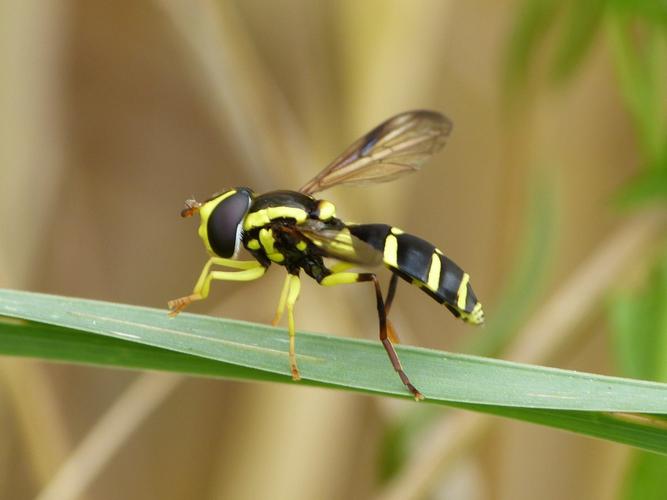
(422,264)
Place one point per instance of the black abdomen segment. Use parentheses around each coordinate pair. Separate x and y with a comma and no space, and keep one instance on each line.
(419,262)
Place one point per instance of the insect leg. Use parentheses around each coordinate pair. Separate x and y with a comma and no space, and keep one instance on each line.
(391,293)
(281,303)
(391,331)
(292,296)
(341,266)
(345,278)
(234,264)
(219,261)
(204,283)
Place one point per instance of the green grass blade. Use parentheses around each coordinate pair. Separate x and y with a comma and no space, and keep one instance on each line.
(83,331)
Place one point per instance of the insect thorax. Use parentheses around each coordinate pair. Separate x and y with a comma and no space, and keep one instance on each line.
(271,233)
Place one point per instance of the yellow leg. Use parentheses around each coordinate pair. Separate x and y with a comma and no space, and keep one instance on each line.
(204,282)
(219,261)
(283,299)
(234,264)
(292,296)
(340,267)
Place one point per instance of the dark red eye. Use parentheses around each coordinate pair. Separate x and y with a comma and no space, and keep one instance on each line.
(224,224)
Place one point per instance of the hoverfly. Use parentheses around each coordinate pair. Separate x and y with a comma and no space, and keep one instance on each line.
(297,231)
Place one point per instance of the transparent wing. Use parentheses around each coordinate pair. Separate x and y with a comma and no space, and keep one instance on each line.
(340,244)
(398,146)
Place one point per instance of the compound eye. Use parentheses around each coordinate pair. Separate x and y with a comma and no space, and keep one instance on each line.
(225,224)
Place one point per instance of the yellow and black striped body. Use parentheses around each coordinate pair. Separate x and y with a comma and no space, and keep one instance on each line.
(271,234)
(421,263)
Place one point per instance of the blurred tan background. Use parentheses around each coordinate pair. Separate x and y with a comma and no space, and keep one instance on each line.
(113,113)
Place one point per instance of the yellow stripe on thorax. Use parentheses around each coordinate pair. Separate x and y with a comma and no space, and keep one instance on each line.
(266,215)
(267,241)
(326,209)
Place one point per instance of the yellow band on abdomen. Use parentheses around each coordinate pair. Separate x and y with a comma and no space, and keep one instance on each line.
(391,251)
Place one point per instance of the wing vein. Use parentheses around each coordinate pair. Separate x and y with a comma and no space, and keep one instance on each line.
(396,147)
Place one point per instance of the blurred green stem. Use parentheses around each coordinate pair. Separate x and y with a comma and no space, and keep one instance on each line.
(641,72)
